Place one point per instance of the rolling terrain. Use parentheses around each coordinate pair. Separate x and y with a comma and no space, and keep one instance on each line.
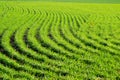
(59,41)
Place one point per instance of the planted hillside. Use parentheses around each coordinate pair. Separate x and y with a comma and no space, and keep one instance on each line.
(59,41)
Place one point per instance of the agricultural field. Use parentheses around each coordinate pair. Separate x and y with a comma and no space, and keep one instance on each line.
(59,41)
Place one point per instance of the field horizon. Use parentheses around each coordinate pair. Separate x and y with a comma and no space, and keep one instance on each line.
(78,1)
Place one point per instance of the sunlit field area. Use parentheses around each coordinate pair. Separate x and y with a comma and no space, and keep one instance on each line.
(59,41)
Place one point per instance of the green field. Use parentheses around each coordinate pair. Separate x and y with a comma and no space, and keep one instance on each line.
(59,41)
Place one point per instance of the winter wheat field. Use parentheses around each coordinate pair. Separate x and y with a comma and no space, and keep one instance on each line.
(59,40)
